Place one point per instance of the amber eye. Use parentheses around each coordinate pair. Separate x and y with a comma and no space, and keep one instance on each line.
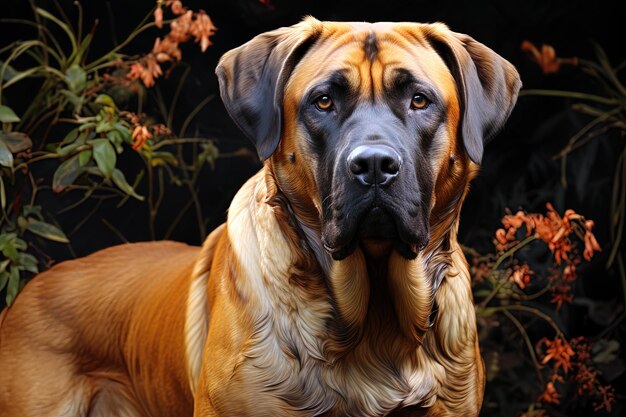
(324,103)
(419,101)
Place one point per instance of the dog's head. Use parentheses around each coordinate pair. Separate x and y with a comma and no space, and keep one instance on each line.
(371,130)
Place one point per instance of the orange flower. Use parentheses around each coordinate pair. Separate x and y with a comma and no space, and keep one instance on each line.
(561,294)
(177,7)
(166,50)
(147,69)
(607,395)
(140,136)
(591,244)
(558,351)
(586,380)
(521,276)
(179,31)
(550,394)
(202,28)
(569,273)
(158,17)
(546,58)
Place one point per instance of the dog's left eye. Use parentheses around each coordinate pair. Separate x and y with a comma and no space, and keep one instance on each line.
(419,101)
(324,103)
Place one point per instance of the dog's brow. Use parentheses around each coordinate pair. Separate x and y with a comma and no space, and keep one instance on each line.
(339,79)
(400,78)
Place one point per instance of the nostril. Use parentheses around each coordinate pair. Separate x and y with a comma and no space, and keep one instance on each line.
(358,166)
(389,165)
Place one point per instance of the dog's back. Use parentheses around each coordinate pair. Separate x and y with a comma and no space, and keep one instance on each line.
(75,336)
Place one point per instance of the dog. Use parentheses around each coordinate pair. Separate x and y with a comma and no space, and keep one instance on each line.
(336,287)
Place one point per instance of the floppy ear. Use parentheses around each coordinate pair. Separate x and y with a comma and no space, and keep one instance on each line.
(252,79)
(487,85)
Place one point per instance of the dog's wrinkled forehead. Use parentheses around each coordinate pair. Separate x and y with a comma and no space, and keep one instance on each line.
(371,58)
(253,78)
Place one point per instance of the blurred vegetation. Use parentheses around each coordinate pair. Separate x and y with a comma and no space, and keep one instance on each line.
(106,130)
(74,119)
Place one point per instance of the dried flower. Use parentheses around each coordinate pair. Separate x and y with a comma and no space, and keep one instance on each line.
(546,58)
(202,28)
(550,394)
(167,49)
(177,7)
(558,351)
(561,294)
(140,136)
(521,275)
(607,398)
(179,31)
(158,17)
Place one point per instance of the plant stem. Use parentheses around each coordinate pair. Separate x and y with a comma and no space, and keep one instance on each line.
(571,94)
(499,261)
(534,311)
(529,345)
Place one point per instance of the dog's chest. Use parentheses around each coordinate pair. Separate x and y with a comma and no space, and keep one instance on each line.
(370,380)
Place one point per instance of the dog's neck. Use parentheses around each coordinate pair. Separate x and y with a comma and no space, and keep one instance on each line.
(364,320)
(373,276)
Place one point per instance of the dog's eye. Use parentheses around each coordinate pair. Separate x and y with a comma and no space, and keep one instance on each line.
(324,103)
(419,101)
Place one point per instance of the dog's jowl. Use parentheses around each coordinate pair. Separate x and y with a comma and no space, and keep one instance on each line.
(336,287)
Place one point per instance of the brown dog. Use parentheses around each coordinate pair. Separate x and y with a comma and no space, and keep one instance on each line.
(336,287)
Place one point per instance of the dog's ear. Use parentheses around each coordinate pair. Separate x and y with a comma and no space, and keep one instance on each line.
(487,85)
(252,79)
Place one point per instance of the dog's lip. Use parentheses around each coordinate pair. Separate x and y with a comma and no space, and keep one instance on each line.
(406,250)
(407,246)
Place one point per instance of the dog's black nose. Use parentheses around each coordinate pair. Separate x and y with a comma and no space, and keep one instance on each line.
(374,164)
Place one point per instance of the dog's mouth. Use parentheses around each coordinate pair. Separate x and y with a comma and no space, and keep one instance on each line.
(377,228)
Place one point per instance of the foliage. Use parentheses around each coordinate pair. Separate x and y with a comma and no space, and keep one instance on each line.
(77,101)
(522,292)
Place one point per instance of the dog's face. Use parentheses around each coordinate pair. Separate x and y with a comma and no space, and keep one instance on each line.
(375,133)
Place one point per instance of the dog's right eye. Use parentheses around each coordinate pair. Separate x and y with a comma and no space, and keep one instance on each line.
(324,103)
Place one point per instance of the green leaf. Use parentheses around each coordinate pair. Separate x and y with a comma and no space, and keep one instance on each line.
(82,48)
(76,78)
(7,115)
(16,141)
(9,73)
(124,131)
(76,100)
(119,180)
(66,174)
(70,137)
(105,156)
(13,286)
(3,267)
(6,158)
(115,137)
(163,158)
(84,157)
(46,230)
(105,100)
(28,262)
(6,238)
(68,150)
(86,126)
(4,278)
(29,210)
(3,197)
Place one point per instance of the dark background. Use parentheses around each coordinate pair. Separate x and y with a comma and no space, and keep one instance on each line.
(518,169)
